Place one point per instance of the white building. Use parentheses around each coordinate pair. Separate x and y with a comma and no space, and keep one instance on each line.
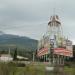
(6,58)
(21,57)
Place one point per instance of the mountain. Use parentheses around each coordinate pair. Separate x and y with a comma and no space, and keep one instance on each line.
(1,32)
(21,42)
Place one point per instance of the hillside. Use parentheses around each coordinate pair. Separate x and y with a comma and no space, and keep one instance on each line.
(12,41)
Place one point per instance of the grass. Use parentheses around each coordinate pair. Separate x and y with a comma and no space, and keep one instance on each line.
(69,70)
(32,69)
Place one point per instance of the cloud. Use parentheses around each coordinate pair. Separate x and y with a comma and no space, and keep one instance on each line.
(30,17)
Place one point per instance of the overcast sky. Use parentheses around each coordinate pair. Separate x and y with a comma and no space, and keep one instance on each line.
(30,17)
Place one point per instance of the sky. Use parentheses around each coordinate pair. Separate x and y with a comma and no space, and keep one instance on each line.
(30,17)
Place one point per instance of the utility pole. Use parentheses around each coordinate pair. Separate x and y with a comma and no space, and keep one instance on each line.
(9,51)
(33,56)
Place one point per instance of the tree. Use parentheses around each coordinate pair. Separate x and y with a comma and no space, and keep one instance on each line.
(15,54)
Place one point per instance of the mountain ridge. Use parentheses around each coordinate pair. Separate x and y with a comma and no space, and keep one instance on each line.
(21,42)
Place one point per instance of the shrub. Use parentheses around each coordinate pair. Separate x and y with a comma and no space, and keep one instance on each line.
(7,68)
(20,65)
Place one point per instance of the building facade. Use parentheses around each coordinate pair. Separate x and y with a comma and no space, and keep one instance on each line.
(54,47)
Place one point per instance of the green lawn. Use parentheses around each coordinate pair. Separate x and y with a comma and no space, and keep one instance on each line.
(69,70)
(32,69)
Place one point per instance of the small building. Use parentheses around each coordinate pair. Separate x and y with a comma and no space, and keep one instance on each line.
(6,58)
(22,58)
